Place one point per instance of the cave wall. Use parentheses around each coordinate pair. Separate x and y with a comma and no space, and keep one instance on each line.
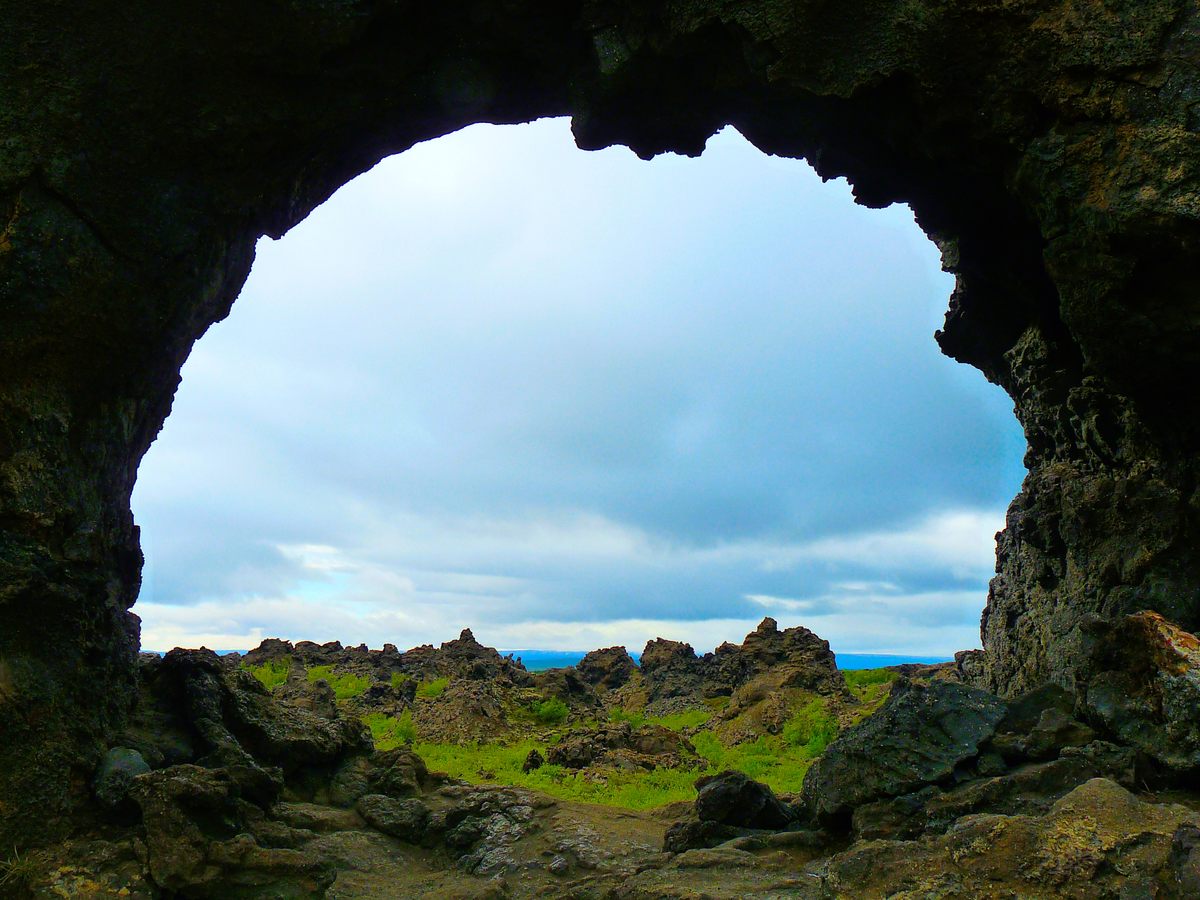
(1049,147)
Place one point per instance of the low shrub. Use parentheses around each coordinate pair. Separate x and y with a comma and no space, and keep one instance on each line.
(17,871)
(551,711)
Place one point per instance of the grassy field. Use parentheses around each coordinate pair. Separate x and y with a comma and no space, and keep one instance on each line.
(777,760)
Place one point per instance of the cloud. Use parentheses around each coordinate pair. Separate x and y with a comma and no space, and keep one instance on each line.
(504,383)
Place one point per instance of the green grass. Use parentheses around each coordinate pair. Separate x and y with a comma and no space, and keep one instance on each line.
(501,764)
(618,714)
(272,673)
(17,871)
(769,759)
(871,686)
(344,686)
(390,732)
(551,711)
(811,728)
(692,718)
(428,690)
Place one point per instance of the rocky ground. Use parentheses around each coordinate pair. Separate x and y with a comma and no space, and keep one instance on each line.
(225,788)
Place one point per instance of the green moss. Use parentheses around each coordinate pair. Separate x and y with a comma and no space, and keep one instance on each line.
(272,673)
(551,711)
(344,686)
(390,732)
(428,690)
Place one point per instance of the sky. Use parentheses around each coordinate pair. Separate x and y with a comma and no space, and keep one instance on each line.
(574,399)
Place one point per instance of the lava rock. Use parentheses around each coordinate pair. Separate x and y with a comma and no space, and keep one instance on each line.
(115,775)
(1185,859)
(1144,687)
(733,798)
(607,669)
(533,761)
(695,834)
(919,736)
(406,820)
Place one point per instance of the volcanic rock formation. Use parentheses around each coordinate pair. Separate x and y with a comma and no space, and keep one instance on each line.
(1049,147)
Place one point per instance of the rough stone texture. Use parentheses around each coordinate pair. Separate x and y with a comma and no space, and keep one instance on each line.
(1081,848)
(115,775)
(734,798)
(647,746)
(606,669)
(1143,685)
(403,819)
(917,738)
(1050,147)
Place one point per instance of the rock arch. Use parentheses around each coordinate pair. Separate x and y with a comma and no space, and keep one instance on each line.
(1049,147)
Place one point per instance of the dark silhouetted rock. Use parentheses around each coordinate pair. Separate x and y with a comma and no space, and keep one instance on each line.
(115,775)
(533,761)
(1049,149)
(733,798)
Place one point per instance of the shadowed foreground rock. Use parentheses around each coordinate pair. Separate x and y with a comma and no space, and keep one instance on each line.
(920,736)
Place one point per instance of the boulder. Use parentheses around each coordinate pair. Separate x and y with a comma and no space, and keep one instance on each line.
(921,734)
(1082,846)
(406,820)
(1143,686)
(607,669)
(533,761)
(200,837)
(618,743)
(733,798)
(695,834)
(115,776)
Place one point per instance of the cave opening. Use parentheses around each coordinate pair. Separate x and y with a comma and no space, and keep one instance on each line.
(576,399)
